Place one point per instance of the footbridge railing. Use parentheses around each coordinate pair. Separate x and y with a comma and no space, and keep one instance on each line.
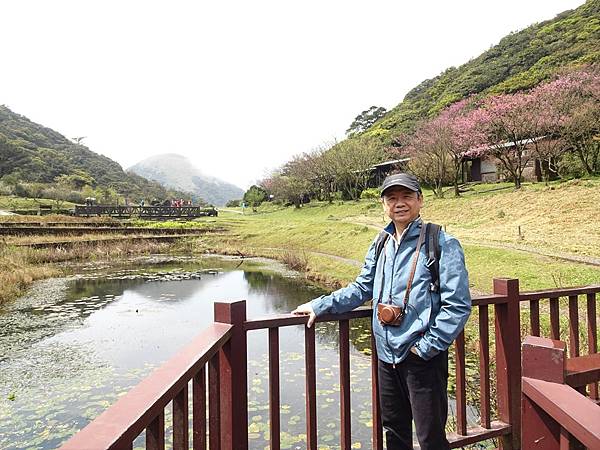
(144,212)
(487,403)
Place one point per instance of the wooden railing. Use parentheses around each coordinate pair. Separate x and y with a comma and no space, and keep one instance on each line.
(225,350)
(555,415)
(143,408)
(570,311)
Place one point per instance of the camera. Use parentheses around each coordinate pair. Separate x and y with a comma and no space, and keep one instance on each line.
(389,314)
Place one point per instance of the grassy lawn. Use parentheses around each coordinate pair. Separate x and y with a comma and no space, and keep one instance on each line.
(555,219)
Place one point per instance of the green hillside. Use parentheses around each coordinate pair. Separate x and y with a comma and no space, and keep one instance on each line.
(519,61)
(32,153)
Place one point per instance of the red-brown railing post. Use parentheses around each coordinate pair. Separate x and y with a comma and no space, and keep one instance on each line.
(543,359)
(508,359)
(376,407)
(233,377)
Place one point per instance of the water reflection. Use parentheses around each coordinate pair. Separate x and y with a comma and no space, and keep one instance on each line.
(69,349)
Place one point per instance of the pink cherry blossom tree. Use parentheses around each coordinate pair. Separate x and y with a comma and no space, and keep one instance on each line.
(576,99)
(430,160)
(438,145)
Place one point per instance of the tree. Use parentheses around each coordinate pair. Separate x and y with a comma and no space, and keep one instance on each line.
(576,99)
(365,119)
(287,188)
(352,161)
(549,145)
(430,159)
(319,169)
(255,195)
(512,123)
(76,180)
(454,131)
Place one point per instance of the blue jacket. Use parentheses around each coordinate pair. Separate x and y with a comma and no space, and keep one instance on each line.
(433,320)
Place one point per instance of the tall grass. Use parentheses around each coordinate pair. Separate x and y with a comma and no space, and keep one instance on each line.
(17,272)
(20,266)
(295,260)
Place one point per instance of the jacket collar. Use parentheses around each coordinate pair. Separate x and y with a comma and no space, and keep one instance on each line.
(412,229)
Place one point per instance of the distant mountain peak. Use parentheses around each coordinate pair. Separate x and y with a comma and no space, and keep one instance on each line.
(178,172)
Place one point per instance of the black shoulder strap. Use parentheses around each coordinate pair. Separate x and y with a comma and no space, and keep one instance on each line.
(432,249)
(380,243)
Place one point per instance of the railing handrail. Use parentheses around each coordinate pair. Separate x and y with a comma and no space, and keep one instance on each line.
(576,413)
(121,423)
(284,320)
(559,292)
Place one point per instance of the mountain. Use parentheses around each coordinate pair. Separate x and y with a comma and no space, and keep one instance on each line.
(32,153)
(177,172)
(519,61)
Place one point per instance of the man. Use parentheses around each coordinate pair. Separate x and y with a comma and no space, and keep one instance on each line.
(414,321)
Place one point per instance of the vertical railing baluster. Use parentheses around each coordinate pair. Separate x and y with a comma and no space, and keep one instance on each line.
(180,420)
(345,416)
(461,392)
(564,439)
(534,317)
(573,327)
(311,388)
(234,376)
(274,413)
(199,410)
(375,409)
(484,365)
(554,319)
(508,359)
(214,403)
(155,433)
(592,335)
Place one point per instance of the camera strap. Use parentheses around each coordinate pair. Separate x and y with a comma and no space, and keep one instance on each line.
(412,271)
(414,264)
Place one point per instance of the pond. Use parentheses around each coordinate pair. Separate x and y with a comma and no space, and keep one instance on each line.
(73,345)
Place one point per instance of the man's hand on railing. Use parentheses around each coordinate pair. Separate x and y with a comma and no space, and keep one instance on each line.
(306,309)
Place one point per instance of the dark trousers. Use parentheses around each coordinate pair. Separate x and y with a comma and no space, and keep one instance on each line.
(415,389)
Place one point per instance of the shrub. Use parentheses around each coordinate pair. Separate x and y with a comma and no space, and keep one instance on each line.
(295,261)
(371,193)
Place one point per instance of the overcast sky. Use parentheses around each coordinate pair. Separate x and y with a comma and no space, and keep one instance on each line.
(237,86)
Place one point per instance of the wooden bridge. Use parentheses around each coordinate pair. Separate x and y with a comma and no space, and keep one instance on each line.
(145,212)
(549,401)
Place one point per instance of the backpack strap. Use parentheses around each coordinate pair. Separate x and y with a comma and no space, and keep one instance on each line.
(382,238)
(432,249)
(379,246)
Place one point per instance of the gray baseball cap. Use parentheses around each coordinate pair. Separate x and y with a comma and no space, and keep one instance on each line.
(401,179)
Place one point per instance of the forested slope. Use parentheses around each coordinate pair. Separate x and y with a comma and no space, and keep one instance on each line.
(519,61)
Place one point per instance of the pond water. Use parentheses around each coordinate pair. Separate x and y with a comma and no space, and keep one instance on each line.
(72,346)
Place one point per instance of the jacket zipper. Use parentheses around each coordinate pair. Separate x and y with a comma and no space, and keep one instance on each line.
(402,236)
(397,249)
